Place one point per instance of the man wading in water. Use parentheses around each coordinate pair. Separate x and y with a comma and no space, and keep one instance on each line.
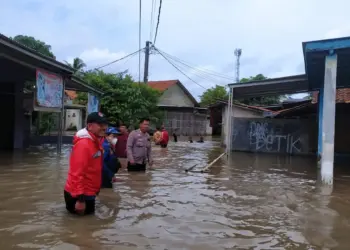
(85,166)
(120,147)
(139,148)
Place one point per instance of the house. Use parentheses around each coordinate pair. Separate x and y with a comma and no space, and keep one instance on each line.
(182,112)
(219,112)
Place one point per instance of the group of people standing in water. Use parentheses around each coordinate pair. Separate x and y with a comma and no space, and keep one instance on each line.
(100,151)
(97,154)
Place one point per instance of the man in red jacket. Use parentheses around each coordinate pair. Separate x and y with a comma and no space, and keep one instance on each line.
(85,166)
(165,138)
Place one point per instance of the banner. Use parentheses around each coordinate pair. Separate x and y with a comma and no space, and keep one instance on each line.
(93,103)
(49,90)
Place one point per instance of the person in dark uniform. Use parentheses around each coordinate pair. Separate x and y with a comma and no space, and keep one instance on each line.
(111,164)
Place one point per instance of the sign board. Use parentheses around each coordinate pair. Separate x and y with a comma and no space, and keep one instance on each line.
(93,103)
(49,91)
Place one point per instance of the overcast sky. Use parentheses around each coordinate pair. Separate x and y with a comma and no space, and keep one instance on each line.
(203,33)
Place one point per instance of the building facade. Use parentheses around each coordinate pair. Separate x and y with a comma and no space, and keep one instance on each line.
(183,115)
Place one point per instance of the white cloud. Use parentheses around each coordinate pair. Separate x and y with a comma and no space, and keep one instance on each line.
(203,32)
(97,57)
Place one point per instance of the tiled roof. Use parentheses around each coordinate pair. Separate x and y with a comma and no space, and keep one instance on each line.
(342,96)
(162,85)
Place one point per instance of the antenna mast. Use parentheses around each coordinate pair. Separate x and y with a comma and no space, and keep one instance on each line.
(238,53)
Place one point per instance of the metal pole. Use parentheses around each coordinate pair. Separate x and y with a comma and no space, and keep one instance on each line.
(228,120)
(61,119)
(145,74)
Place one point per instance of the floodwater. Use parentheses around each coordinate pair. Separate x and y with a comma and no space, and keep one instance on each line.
(247,201)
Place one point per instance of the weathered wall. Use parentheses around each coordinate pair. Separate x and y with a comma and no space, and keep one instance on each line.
(185,122)
(271,135)
(175,96)
(236,112)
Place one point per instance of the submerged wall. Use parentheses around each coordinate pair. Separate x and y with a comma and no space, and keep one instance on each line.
(271,135)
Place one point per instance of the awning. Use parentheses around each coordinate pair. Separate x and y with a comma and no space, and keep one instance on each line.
(275,86)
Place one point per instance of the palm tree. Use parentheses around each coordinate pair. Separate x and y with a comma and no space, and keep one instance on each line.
(78,65)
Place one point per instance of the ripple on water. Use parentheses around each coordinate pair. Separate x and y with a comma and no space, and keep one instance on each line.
(245,202)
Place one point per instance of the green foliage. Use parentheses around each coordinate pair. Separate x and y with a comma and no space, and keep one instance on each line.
(78,65)
(124,99)
(46,123)
(212,95)
(260,100)
(34,44)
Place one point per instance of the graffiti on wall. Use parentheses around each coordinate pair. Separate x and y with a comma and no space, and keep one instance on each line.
(266,135)
(263,137)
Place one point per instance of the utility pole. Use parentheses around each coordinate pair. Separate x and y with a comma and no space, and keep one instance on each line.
(145,74)
(238,53)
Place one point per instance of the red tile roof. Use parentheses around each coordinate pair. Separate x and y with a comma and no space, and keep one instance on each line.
(71,94)
(342,96)
(162,85)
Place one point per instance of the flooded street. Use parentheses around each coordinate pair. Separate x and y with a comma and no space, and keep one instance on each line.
(247,201)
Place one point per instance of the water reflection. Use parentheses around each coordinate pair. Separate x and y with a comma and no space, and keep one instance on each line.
(247,201)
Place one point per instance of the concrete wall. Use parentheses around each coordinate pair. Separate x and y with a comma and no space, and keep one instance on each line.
(236,112)
(285,136)
(209,129)
(175,96)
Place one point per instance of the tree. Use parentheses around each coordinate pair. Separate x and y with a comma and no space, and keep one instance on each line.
(78,65)
(260,100)
(212,95)
(124,99)
(34,44)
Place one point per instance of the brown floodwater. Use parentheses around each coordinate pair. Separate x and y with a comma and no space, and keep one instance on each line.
(247,201)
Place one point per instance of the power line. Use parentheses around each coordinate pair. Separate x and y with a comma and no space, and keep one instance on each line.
(195,72)
(159,10)
(140,10)
(153,9)
(118,59)
(206,71)
(200,73)
(179,69)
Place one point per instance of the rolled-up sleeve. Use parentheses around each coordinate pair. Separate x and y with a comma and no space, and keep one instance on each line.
(129,146)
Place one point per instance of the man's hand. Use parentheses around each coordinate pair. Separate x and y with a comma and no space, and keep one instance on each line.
(132,162)
(150,163)
(80,207)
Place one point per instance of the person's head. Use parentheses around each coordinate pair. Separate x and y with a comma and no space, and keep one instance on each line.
(123,128)
(97,124)
(162,127)
(111,135)
(144,124)
(158,128)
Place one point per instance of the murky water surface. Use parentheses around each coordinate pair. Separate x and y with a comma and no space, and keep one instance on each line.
(247,201)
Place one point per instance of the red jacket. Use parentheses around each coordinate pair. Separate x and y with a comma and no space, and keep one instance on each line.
(165,137)
(85,165)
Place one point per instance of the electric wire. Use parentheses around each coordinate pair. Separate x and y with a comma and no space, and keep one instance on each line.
(153,9)
(140,16)
(206,71)
(124,57)
(177,68)
(199,74)
(159,10)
